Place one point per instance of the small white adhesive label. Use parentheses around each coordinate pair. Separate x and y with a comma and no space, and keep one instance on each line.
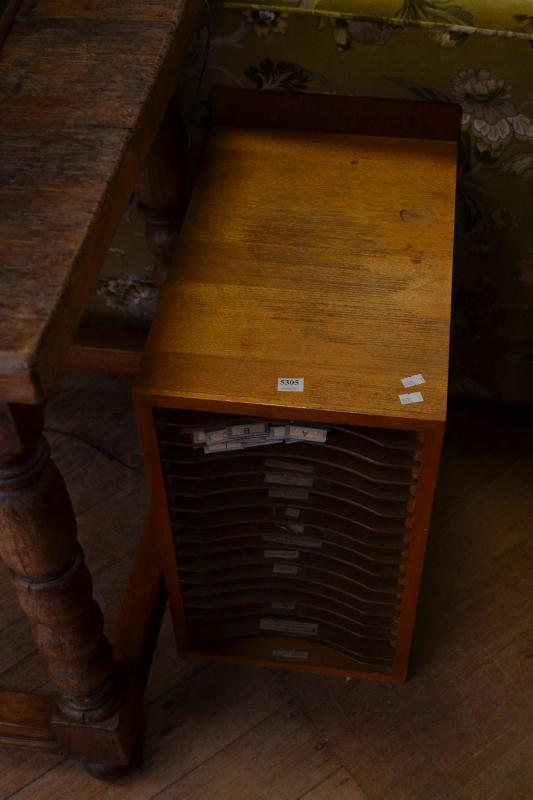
(290,384)
(304,434)
(288,494)
(288,479)
(284,569)
(412,397)
(413,380)
(220,446)
(219,435)
(290,555)
(294,513)
(296,528)
(252,429)
(295,655)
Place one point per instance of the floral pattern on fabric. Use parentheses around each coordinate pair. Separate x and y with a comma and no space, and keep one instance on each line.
(488,110)
(282,75)
(264,21)
(525,25)
(347,32)
(435,11)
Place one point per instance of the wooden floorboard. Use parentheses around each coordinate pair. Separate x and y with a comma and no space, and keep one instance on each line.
(460,729)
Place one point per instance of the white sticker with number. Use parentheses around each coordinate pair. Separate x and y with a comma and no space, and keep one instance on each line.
(303,434)
(251,429)
(290,384)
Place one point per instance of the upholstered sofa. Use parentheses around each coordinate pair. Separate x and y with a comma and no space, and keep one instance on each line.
(478,53)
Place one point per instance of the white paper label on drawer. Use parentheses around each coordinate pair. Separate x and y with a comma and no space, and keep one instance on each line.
(220,446)
(289,626)
(413,380)
(198,437)
(287,538)
(294,513)
(284,569)
(215,448)
(304,434)
(284,606)
(288,479)
(278,431)
(251,429)
(296,527)
(218,435)
(284,465)
(289,494)
(296,655)
(289,555)
(291,384)
(411,397)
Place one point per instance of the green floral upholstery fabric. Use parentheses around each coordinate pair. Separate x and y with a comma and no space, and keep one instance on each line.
(487,16)
(478,53)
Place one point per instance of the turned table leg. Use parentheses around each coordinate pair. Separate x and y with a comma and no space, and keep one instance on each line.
(164,188)
(38,542)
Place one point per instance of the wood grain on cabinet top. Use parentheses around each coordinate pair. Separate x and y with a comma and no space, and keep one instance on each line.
(326,257)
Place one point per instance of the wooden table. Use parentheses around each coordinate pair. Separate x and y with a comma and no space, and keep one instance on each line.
(83,90)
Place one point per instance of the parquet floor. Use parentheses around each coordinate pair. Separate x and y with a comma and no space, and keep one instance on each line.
(461,728)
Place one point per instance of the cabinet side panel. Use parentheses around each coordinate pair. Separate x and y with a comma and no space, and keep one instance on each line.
(430,458)
(159,511)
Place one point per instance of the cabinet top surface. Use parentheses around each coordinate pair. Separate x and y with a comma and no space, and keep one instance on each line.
(326,257)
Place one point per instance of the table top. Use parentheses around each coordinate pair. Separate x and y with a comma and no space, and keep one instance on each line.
(320,256)
(83,87)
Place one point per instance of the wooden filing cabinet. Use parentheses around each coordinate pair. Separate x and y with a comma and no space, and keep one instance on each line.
(291,471)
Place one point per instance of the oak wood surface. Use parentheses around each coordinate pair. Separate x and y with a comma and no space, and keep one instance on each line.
(83,87)
(322,256)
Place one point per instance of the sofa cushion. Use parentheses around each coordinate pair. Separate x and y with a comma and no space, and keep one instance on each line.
(491,17)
